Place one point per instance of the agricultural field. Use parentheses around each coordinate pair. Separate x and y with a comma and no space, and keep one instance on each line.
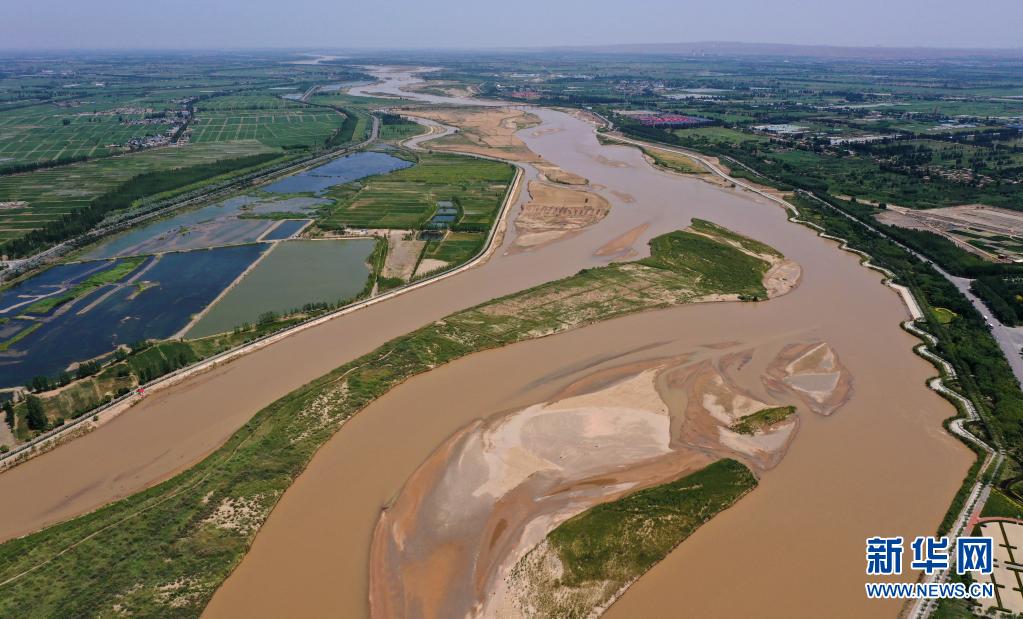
(407,198)
(31,200)
(455,247)
(269,120)
(47,133)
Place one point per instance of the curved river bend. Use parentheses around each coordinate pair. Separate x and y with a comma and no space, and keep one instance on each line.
(794,547)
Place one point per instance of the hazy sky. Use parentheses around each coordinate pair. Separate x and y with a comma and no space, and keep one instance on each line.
(489,23)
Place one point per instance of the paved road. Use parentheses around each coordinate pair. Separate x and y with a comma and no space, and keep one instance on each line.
(1010,339)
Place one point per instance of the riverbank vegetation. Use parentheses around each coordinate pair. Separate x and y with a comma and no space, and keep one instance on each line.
(983,374)
(762,419)
(587,561)
(164,551)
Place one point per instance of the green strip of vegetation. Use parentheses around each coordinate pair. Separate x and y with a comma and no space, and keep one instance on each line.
(108,276)
(606,548)
(353,129)
(20,335)
(127,554)
(673,162)
(983,374)
(752,245)
(764,418)
(123,197)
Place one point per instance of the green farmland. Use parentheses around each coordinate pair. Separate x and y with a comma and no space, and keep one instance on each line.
(50,194)
(407,198)
(39,133)
(456,247)
(272,121)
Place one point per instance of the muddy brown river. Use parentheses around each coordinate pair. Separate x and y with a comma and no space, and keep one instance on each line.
(881,465)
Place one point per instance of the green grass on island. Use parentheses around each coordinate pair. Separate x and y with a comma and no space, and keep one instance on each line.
(764,418)
(604,549)
(162,552)
(114,274)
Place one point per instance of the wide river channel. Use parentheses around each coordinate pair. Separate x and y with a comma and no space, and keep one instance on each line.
(881,465)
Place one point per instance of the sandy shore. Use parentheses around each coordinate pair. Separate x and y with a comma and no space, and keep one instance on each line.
(515,477)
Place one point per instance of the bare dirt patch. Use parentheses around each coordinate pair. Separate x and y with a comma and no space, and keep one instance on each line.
(403,251)
(484,131)
(623,245)
(554,212)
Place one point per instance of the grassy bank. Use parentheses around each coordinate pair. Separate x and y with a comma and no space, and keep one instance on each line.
(604,549)
(163,552)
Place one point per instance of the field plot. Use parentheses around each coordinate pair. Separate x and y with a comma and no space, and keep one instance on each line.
(91,127)
(406,199)
(272,121)
(29,201)
(294,274)
(454,248)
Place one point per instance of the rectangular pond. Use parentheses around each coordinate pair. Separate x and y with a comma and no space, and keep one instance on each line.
(209,226)
(337,172)
(294,274)
(287,229)
(157,305)
(50,282)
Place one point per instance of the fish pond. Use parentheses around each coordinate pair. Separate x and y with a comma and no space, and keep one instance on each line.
(338,172)
(287,229)
(294,274)
(156,304)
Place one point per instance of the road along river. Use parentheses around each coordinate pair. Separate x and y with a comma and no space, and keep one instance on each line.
(881,464)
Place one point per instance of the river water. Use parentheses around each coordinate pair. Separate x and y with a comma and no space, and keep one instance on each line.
(794,547)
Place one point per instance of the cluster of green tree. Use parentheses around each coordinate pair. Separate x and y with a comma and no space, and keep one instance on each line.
(811,166)
(164,358)
(35,417)
(983,373)
(1003,294)
(346,132)
(395,119)
(45,383)
(122,197)
(20,168)
(9,414)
